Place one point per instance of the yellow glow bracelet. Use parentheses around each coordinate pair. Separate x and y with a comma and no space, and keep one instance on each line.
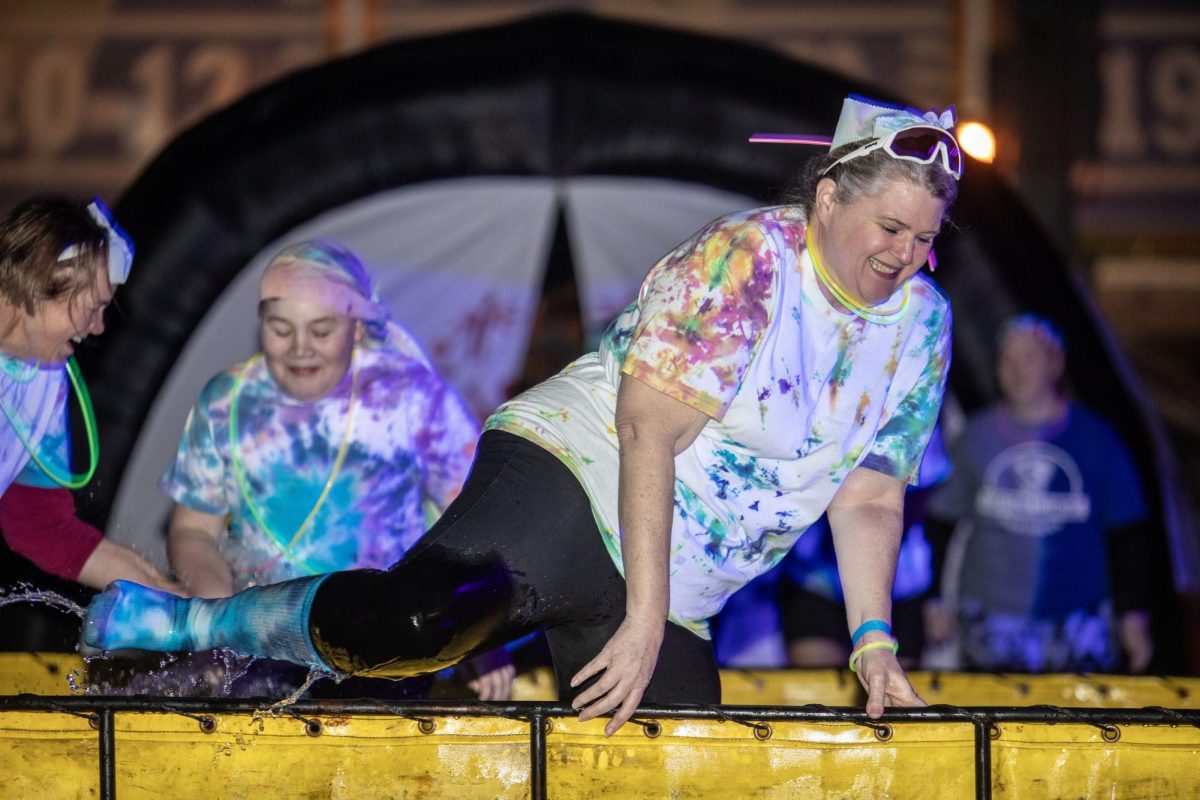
(892,645)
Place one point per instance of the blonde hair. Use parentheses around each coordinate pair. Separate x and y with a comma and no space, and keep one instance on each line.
(33,237)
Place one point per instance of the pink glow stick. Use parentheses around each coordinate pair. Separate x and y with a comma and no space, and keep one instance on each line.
(790,138)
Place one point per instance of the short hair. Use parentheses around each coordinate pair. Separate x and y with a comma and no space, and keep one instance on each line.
(864,175)
(33,237)
(1041,328)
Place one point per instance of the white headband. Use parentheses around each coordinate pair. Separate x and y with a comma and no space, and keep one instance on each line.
(120,246)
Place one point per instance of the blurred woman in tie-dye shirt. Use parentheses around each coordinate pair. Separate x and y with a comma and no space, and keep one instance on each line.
(330,450)
(781,363)
(320,453)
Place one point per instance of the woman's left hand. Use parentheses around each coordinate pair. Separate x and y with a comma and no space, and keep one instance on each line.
(882,676)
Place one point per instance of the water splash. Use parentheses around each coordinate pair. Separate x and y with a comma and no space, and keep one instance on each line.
(206,674)
(234,666)
(279,707)
(28,594)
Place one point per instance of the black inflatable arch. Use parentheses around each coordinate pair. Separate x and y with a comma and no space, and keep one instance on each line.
(559,95)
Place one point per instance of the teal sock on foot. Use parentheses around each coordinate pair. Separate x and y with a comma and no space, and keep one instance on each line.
(127,614)
(263,621)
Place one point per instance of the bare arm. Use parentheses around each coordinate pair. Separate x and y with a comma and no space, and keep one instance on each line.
(41,525)
(192,538)
(652,428)
(111,561)
(867,518)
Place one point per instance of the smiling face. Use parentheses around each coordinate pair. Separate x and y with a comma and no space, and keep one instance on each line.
(307,347)
(49,335)
(873,244)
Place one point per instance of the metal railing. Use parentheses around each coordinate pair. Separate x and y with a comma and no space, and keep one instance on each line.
(100,712)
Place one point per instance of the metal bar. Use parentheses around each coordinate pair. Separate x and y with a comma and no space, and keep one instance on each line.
(983,759)
(809,713)
(108,752)
(537,756)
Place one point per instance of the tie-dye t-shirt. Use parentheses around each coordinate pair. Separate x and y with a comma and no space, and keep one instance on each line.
(733,323)
(412,438)
(35,401)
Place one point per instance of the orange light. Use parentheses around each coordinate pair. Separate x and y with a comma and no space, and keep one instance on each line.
(977,141)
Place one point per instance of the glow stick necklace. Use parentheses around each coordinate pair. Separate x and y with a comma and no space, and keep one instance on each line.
(240,476)
(886,317)
(72,480)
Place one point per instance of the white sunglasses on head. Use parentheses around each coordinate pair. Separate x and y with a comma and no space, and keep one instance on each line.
(919,143)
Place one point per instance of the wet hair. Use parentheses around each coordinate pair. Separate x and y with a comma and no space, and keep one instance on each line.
(866,175)
(33,236)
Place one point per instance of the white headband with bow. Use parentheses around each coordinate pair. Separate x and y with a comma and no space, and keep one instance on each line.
(863,118)
(120,245)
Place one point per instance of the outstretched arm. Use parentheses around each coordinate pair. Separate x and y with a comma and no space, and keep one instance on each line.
(867,517)
(41,525)
(652,428)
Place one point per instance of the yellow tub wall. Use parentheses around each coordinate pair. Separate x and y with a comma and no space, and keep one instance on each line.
(46,674)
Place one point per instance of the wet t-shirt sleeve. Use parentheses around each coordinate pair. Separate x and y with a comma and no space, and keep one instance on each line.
(906,429)
(702,312)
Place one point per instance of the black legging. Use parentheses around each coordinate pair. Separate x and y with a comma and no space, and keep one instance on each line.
(518,551)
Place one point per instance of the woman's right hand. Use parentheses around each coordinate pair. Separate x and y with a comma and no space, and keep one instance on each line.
(623,669)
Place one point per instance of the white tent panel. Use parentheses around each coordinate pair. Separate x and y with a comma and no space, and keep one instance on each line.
(619,227)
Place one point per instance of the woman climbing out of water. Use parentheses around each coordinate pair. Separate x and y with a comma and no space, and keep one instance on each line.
(780,363)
